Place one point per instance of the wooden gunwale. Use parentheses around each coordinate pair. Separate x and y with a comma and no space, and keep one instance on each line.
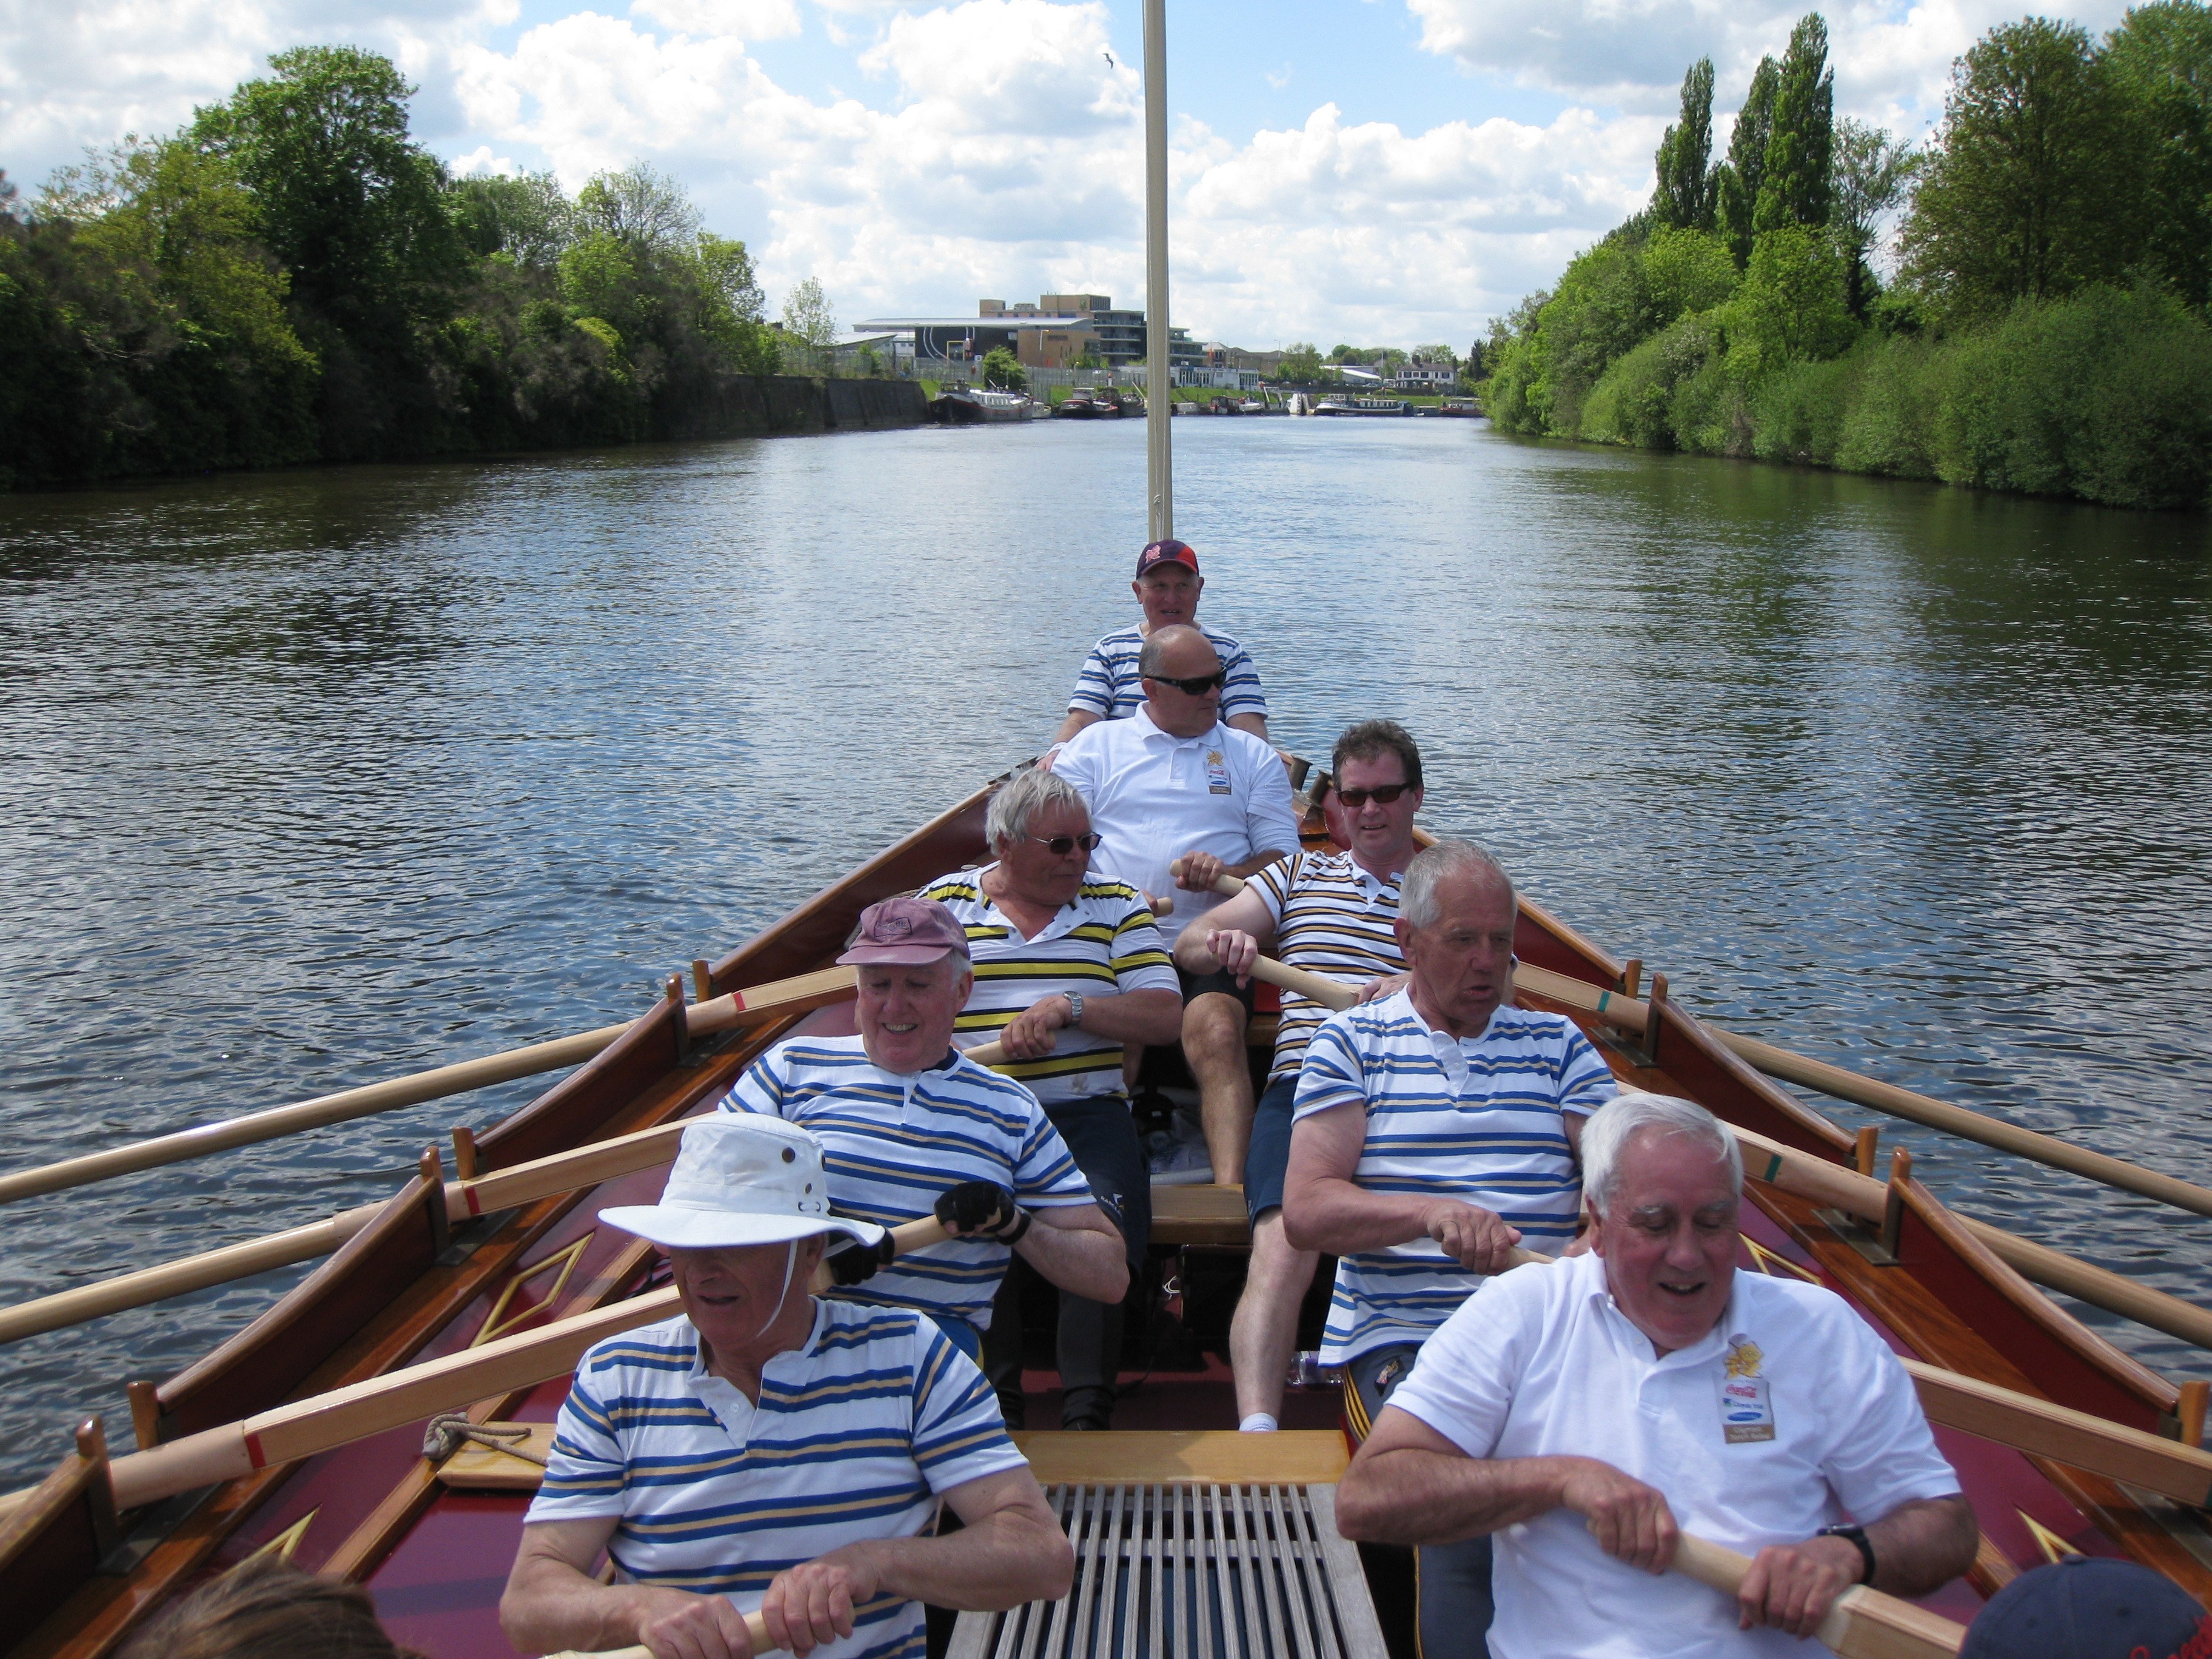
(646,1078)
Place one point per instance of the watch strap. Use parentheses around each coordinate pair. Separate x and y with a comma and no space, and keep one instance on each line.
(1856,1534)
(1074,1007)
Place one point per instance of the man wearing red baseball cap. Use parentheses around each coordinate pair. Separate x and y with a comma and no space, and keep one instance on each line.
(1110,688)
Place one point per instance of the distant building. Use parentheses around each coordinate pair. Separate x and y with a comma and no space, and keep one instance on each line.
(1437,378)
(1055,331)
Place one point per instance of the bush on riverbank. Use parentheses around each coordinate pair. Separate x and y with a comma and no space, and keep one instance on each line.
(291,278)
(2078,363)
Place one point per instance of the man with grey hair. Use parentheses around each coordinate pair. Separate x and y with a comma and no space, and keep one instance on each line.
(1588,1410)
(1069,967)
(1434,1130)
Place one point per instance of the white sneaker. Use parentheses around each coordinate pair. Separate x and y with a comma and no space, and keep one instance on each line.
(1184,1164)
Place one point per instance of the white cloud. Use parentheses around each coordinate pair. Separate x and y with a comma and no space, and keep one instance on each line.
(746,19)
(481,160)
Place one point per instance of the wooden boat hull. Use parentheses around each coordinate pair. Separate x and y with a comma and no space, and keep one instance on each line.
(375,1511)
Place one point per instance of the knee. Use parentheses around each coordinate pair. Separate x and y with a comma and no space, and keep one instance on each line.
(1213,1025)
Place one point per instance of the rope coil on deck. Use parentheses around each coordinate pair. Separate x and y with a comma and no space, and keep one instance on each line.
(448,1431)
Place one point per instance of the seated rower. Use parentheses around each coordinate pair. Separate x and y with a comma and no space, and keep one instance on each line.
(1333,914)
(1179,800)
(764,1450)
(1583,1411)
(1068,968)
(1110,687)
(1434,1128)
(911,1127)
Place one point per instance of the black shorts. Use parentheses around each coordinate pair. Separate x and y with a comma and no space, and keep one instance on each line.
(1269,1153)
(1102,1139)
(1221,980)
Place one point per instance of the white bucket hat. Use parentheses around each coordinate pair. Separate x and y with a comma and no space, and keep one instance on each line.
(740,1178)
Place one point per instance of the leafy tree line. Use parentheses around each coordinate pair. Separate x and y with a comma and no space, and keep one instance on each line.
(291,277)
(2048,326)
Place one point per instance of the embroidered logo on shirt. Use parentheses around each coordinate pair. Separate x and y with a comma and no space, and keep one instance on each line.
(1217,772)
(1747,1412)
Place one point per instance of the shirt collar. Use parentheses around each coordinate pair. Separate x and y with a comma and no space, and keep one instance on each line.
(1437,1031)
(1727,1330)
(804,1350)
(1065,917)
(1151,729)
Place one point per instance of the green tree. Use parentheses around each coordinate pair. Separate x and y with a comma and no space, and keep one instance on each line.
(1793,187)
(729,302)
(2160,56)
(1736,182)
(1793,305)
(1685,273)
(1003,370)
(807,316)
(1871,173)
(1688,189)
(648,210)
(352,208)
(1301,364)
(2027,189)
(527,218)
(600,277)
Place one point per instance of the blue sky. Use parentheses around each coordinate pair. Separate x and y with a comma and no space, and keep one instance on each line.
(1369,170)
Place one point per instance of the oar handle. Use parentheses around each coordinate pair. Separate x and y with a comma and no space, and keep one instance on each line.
(756,1634)
(905,1238)
(1228,886)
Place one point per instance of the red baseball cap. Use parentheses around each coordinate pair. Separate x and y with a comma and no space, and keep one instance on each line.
(905,930)
(1167,552)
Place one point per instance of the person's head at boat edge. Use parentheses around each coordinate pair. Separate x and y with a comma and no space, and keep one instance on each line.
(910,959)
(2087,1606)
(1183,678)
(1167,584)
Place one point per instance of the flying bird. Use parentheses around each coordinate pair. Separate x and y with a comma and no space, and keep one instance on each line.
(1110,59)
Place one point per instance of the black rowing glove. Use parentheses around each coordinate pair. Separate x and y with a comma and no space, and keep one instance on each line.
(982,1207)
(857,1261)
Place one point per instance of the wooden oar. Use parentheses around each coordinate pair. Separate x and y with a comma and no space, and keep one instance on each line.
(304,1427)
(748,1007)
(1627,1011)
(755,1635)
(1862,1624)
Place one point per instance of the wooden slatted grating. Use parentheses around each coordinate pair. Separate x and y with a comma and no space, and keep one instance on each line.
(1203,1571)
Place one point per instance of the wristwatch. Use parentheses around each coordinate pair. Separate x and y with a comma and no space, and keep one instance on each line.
(1856,1533)
(1074,1006)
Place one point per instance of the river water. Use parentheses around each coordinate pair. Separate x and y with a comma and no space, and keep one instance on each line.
(311,778)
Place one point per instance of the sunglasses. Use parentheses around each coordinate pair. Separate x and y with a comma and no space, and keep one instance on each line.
(1356,798)
(1061,845)
(1197,688)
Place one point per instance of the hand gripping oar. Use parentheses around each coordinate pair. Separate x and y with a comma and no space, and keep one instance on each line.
(748,1007)
(1862,1623)
(756,1636)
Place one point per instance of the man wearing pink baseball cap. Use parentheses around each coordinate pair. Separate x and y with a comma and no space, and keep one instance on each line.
(910,1127)
(1110,687)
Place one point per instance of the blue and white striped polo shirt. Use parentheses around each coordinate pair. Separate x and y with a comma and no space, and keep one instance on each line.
(1102,943)
(855,1435)
(891,1145)
(1333,918)
(1477,1119)
(1110,687)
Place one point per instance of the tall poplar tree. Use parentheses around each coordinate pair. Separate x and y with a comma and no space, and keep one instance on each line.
(1738,178)
(1687,185)
(1801,143)
(2160,58)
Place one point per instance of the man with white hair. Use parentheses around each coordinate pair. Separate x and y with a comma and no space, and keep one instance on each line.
(764,1450)
(1068,968)
(912,1127)
(1434,1130)
(1588,1410)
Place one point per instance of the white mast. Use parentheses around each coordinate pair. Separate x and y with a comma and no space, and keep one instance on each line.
(1159,472)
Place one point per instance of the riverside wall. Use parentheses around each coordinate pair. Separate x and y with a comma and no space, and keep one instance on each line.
(745,403)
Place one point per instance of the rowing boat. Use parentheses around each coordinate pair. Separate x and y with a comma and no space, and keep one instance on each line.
(432,1537)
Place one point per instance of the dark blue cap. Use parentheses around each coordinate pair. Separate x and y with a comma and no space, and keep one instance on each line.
(2088,1607)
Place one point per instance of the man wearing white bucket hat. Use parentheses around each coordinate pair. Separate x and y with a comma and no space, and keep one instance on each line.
(911,1127)
(769,1449)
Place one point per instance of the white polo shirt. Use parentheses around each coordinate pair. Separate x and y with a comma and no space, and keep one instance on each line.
(1540,1362)
(856,1435)
(1154,797)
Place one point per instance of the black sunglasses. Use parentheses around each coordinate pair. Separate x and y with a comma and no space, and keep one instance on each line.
(1356,798)
(1061,845)
(1197,688)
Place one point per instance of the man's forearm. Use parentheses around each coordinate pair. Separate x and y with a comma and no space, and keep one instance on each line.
(1343,1218)
(1086,1261)
(1014,1555)
(1409,1496)
(552,1606)
(1922,1545)
(1148,1016)
(1256,724)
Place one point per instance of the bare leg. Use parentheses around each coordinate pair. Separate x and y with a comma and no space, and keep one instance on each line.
(1264,1335)
(1213,1044)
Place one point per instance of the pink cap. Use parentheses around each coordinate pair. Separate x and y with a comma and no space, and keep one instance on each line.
(905,930)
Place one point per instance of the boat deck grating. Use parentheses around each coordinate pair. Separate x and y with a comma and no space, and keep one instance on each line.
(1193,1572)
